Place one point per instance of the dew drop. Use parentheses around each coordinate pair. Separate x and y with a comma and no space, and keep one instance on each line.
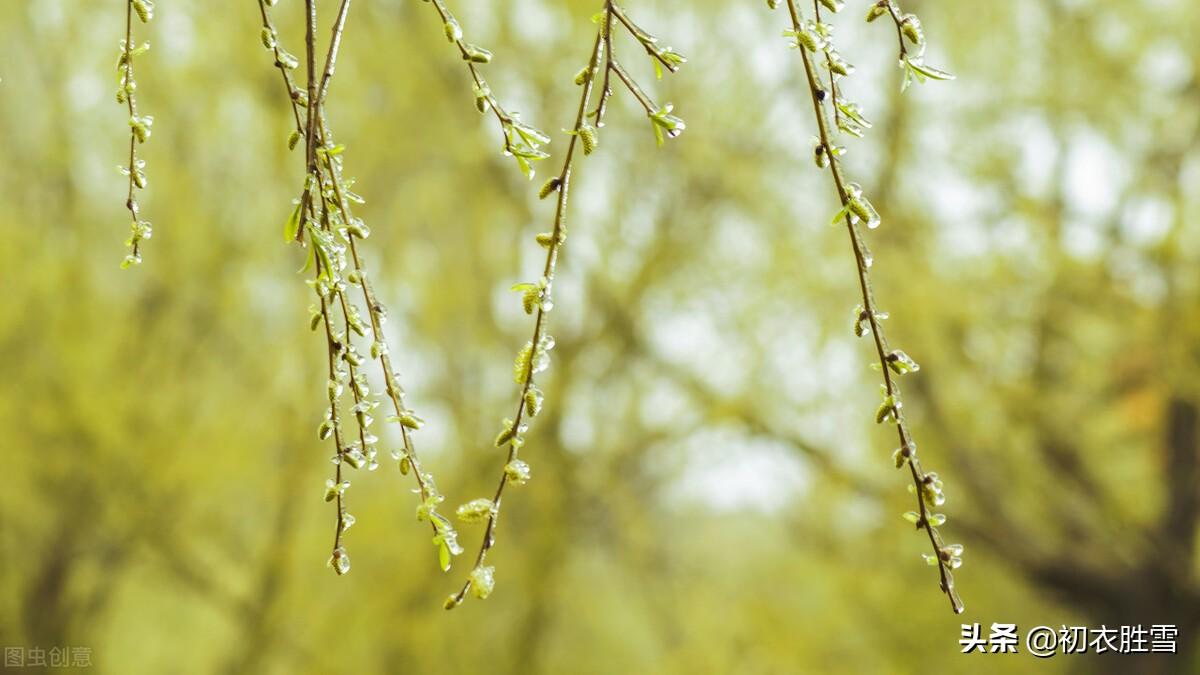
(340,561)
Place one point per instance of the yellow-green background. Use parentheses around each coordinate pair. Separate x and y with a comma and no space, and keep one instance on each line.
(710,494)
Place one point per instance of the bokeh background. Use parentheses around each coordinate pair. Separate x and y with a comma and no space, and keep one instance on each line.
(710,493)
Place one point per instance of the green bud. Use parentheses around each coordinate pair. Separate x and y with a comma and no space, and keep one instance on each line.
(533,401)
(807,37)
(521,364)
(506,434)
(665,124)
(476,510)
(551,185)
(483,581)
(517,472)
(476,54)
(820,156)
(453,30)
(862,321)
(901,363)
(410,420)
(534,295)
(335,490)
(141,127)
(483,95)
(286,60)
(672,58)
(887,409)
(837,64)
(861,207)
(931,490)
(587,134)
(354,457)
(910,26)
(144,10)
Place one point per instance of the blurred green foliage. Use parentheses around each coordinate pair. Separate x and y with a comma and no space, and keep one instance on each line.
(709,492)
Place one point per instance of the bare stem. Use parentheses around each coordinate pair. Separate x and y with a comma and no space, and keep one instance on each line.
(633,87)
(310,49)
(335,43)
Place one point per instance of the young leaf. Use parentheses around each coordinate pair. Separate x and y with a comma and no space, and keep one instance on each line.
(293,224)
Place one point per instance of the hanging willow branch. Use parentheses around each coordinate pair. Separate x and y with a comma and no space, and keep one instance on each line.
(323,221)
(536,296)
(814,40)
(521,141)
(139,128)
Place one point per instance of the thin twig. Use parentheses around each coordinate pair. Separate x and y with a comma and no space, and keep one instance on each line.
(130,100)
(870,313)
(633,87)
(139,130)
(557,234)
(503,118)
(644,38)
(277,52)
(335,43)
